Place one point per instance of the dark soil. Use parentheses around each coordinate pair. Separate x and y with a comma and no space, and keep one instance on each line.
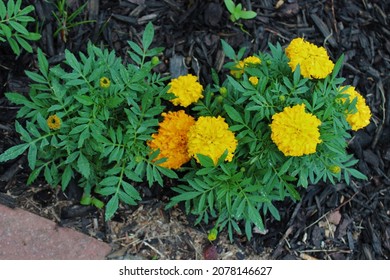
(331,221)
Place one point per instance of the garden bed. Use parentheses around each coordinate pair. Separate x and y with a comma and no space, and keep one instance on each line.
(330,222)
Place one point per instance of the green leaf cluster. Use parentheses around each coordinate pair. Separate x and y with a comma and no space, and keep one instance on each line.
(236,11)
(13,25)
(102,140)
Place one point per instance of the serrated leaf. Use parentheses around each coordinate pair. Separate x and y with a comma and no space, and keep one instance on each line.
(126,198)
(66,177)
(84,99)
(6,30)
(20,129)
(185,196)
(205,161)
(111,207)
(136,48)
(35,77)
(148,35)
(24,44)
(18,27)
(14,46)
(42,123)
(32,156)
(72,61)
(130,190)
(233,114)
(109,181)
(33,175)
(255,217)
(228,50)
(107,191)
(11,8)
(13,152)
(84,166)
(3,10)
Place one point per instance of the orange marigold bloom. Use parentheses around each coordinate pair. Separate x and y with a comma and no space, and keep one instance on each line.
(172,139)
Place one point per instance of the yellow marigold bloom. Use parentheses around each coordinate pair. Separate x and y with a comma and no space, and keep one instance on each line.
(295,132)
(238,69)
(252,61)
(254,80)
(172,139)
(186,89)
(335,169)
(314,61)
(210,136)
(54,122)
(361,118)
(104,82)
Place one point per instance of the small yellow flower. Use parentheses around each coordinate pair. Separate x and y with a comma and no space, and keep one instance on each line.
(335,169)
(252,61)
(105,82)
(212,234)
(187,90)
(172,139)
(314,61)
(361,118)
(295,132)
(210,136)
(254,80)
(238,69)
(54,122)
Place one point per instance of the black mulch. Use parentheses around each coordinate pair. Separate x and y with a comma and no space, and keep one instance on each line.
(331,222)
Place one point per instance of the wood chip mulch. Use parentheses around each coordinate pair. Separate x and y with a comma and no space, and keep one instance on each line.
(331,221)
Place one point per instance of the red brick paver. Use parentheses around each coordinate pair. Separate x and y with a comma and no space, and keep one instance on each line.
(26,236)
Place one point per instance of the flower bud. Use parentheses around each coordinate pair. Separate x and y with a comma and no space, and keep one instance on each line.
(155,60)
(223,91)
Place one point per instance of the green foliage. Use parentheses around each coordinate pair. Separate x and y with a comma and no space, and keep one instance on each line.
(102,139)
(236,11)
(65,19)
(13,26)
(238,194)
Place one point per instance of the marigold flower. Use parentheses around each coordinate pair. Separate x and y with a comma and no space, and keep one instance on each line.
(254,80)
(54,122)
(186,89)
(314,61)
(238,69)
(295,132)
(252,61)
(361,118)
(104,82)
(210,136)
(172,139)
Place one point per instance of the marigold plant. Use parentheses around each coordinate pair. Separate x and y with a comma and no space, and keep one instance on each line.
(91,121)
(291,131)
